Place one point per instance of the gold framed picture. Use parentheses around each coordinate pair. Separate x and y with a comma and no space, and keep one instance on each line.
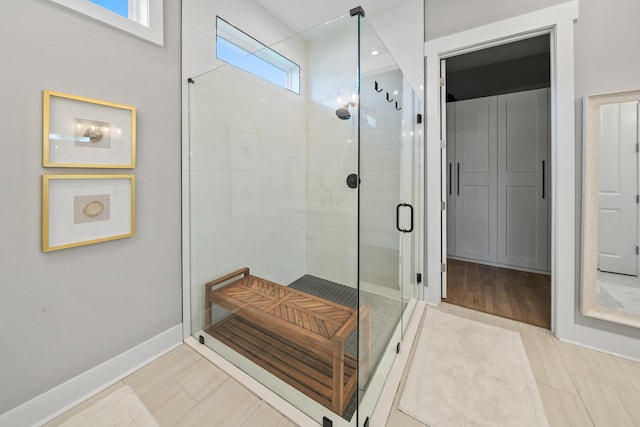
(81,210)
(87,133)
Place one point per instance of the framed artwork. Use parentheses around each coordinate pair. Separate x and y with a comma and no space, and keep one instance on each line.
(87,133)
(81,210)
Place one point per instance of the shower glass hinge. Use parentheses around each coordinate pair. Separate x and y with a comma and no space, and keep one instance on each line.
(443,268)
(419,118)
(357,11)
(419,278)
(326,422)
(443,206)
(637,147)
(200,339)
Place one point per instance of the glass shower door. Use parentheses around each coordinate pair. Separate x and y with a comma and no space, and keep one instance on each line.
(387,216)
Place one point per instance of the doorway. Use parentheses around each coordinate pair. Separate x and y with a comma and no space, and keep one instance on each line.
(558,21)
(496,115)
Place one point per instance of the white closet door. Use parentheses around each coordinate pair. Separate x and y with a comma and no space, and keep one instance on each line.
(451,182)
(475,172)
(618,208)
(523,179)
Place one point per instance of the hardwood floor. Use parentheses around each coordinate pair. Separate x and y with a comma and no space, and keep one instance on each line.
(514,294)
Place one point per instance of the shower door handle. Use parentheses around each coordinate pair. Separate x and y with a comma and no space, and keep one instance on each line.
(404,230)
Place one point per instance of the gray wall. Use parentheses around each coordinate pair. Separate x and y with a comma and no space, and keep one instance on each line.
(64,312)
(444,17)
(606,60)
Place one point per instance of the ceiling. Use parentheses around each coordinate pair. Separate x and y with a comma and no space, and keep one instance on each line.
(302,15)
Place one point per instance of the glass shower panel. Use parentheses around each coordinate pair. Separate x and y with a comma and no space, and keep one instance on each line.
(274,224)
(382,214)
(411,166)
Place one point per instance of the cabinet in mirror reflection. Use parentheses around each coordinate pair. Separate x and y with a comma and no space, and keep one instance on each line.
(610,282)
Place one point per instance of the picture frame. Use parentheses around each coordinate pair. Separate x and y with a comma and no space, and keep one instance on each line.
(80,132)
(80,210)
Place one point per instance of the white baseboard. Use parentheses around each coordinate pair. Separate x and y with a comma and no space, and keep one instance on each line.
(54,402)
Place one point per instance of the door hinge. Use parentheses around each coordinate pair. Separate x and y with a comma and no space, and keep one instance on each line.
(637,198)
(442,81)
(443,144)
(443,206)
(398,348)
(637,250)
(419,118)
(637,147)
(443,267)
(419,278)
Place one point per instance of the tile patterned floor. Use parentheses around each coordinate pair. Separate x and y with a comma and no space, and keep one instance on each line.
(578,386)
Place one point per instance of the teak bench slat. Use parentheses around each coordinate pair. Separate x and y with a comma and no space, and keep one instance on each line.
(296,336)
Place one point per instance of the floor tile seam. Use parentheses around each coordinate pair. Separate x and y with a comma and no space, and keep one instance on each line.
(586,407)
(630,376)
(603,381)
(260,403)
(557,343)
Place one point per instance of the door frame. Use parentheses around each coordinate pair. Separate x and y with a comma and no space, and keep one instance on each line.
(558,22)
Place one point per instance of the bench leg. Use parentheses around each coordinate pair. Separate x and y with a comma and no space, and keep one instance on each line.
(364,347)
(337,401)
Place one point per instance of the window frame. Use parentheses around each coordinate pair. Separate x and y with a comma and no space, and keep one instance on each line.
(146,17)
(244,42)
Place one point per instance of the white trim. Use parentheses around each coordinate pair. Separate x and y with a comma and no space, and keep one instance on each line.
(148,27)
(288,410)
(557,20)
(69,394)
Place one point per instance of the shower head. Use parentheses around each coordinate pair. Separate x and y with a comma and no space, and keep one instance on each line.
(343,112)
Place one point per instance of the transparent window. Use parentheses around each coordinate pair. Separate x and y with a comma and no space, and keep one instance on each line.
(243,51)
(142,18)
(121,7)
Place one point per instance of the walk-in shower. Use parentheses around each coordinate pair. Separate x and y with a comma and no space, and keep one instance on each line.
(304,218)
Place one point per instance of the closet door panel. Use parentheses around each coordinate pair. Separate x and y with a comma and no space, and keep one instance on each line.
(617,207)
(523,179)
(475,170)
(451,160)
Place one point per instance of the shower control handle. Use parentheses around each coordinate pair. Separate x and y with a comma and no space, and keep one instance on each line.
(352,180)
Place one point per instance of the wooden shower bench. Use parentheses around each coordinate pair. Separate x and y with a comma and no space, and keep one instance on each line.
(296,336)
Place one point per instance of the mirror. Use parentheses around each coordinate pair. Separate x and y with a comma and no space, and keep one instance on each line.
(611,209)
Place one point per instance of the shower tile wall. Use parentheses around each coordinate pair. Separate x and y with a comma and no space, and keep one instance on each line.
(215,174)
(332,156)
(380,192)
(248,180)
